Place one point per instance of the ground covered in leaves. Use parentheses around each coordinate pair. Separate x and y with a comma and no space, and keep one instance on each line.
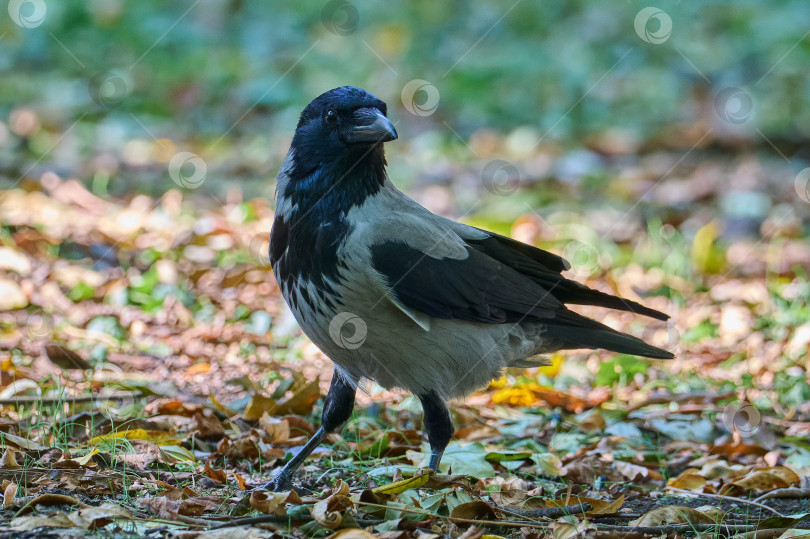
(152,376)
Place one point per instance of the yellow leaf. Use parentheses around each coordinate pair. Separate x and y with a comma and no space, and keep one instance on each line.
(86,458)
(401,486)
(258,405)
(704,252)
(302,400)
(155,436)
(178,453)
(219,406)
(556,364)
(687,481)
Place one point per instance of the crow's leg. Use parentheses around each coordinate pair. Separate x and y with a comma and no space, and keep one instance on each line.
(336,411)
(438,425)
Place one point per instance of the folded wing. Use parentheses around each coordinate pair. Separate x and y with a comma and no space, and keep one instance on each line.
(502,281)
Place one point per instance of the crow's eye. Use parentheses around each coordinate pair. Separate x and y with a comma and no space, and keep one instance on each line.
(331,117)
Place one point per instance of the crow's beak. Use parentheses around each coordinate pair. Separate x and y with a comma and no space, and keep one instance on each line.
(371,125)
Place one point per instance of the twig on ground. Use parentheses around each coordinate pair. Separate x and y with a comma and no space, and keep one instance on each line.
(550,512)
(722,497)
(790,492)
(678,528)
(29,399)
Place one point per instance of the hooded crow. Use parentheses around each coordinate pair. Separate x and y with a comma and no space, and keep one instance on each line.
(393,293)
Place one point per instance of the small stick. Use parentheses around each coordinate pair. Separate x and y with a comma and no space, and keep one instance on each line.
(730,498)
(28,399)
(791,492)
(677,528)
(550,512)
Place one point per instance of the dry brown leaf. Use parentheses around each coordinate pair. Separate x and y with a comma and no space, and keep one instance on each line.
(208,427)
(327,512)
(302,400)
(240,481)
(49,499)
(259,404)
(9,460)
(600,507)
(564,529)
(672,514)
(9,492)
(273,503)
(65,358)
(766,479)
(217,475)
(474,510)
(22,443)
(687,481)
(277,429)
(733,450)
(635,472)
(510,491)
(168,508)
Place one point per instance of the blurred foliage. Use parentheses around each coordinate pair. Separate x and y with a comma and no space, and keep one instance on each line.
(201,65)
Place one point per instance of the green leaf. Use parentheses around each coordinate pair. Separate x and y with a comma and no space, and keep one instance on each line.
(81,291)
(619,368)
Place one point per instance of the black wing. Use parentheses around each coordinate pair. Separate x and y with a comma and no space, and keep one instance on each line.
(476,289)
(496,285)
(544,268)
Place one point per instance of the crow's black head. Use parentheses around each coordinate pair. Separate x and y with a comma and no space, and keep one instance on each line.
(342,121)
(337,147)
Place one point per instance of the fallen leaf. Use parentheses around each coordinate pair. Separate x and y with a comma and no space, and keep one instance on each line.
(49,499)
(259,404)
(273,503)
(474,510)
(23,443)
(156,436)
(65,358)
(9,492)
(672,514)
(398,487)
(208,427)
(217,475)
(9,460)
(240,481)
(687,481)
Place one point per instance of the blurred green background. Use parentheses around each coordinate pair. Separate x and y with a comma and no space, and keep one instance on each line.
(585,101)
